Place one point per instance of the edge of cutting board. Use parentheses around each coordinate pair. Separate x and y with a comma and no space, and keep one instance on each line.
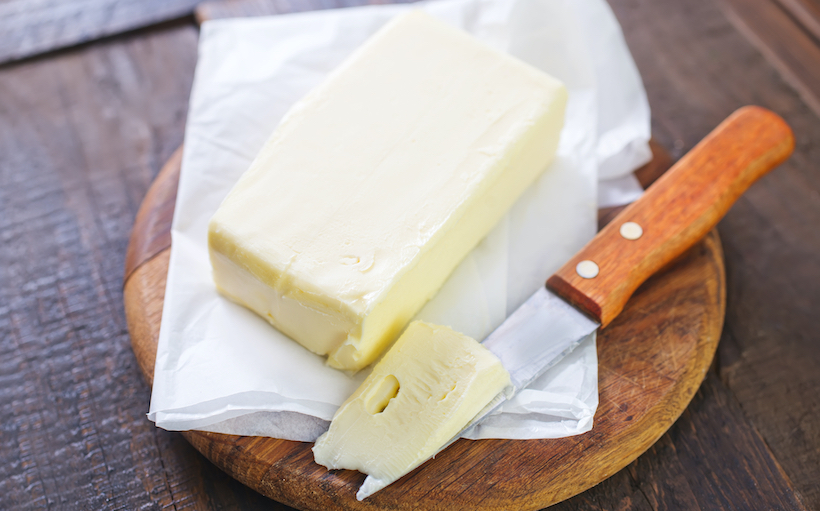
(652,359)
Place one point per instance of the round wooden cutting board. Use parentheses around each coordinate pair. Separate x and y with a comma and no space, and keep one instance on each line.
(652,359)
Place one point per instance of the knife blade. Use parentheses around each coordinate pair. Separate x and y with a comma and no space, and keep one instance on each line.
(592,288)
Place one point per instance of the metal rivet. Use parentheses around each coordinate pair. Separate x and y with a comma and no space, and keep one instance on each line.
(631,230)
(587,269)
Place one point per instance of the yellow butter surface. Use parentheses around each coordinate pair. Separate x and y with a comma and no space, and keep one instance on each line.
(424,390)
(377,184)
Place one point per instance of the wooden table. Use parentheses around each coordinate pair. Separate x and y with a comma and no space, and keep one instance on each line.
(84,130)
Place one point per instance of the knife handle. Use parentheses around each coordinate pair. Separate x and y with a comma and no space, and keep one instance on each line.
(678,210)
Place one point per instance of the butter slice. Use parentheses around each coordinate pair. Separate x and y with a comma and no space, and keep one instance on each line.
(377,184)
(424,390)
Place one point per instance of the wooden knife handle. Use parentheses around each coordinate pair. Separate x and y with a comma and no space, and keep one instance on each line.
(675,212)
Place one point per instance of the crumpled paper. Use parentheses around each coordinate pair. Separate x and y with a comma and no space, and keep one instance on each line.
(221,368)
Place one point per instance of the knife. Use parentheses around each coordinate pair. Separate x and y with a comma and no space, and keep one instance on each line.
(592,288)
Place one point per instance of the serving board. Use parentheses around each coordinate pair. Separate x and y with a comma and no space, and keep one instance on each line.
(652,359)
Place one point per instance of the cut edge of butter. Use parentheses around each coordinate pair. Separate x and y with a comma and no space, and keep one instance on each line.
(420,395)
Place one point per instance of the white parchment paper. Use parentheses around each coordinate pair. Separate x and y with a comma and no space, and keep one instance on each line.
(221,368)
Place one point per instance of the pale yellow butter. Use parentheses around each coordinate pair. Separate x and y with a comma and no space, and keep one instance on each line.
(424,390)
(378,183)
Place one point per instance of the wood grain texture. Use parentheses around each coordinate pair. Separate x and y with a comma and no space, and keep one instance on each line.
(679,209)
(784,31)
(806,13)
(31,27)
(665,340)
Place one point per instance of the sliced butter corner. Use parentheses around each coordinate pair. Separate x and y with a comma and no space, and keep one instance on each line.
(424,390)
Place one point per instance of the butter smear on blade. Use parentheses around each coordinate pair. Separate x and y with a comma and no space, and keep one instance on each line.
(377,184)
(424,390)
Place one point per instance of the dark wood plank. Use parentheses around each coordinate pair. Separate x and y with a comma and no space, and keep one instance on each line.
(806,13)
(768,353)
(784,40)
(31,27)
(713,418)
(81,137)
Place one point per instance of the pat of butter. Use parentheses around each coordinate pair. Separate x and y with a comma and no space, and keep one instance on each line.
(377,184)
(424,390)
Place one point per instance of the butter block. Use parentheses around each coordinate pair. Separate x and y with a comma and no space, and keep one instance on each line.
(424,390)
(376,185)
